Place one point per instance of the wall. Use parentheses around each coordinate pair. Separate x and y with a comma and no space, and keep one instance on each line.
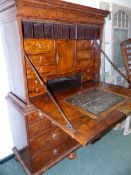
(5,131)
(96,3)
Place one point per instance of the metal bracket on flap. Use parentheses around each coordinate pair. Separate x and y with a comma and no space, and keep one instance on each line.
(97,46)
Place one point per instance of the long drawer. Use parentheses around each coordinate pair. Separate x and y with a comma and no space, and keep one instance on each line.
(53,137)
(37,124)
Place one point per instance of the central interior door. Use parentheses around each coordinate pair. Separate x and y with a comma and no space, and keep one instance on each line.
(65,60)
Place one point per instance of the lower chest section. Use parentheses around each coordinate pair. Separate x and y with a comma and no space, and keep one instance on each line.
(47,144)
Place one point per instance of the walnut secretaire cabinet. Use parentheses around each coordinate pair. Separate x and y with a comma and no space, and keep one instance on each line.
(59,39)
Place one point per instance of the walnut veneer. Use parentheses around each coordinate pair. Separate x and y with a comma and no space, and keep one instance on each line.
(58,37)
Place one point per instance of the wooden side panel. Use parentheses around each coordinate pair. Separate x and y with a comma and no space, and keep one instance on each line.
(12,48)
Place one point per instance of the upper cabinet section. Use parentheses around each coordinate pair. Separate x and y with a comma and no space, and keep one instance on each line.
(59,11)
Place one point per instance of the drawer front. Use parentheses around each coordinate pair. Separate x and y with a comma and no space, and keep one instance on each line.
(87,75)
(83,44)
(46,69)
(34,118)
(83,54)
(54,137)
(51,152)
(42,59)
(33,82)
(34,46)
(34,87)
(37,126)
(42,70)
(34,91)
(85,64)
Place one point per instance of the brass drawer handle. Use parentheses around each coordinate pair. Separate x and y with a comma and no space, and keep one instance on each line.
(41,115)
(54,136)
(52,123)
(55,152)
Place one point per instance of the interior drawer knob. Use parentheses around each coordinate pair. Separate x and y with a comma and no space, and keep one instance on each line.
(36,81)
(41,59)
(39,45)
(37,90)
(55,152)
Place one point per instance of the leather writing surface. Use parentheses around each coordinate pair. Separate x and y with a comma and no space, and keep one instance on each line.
(94,101)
